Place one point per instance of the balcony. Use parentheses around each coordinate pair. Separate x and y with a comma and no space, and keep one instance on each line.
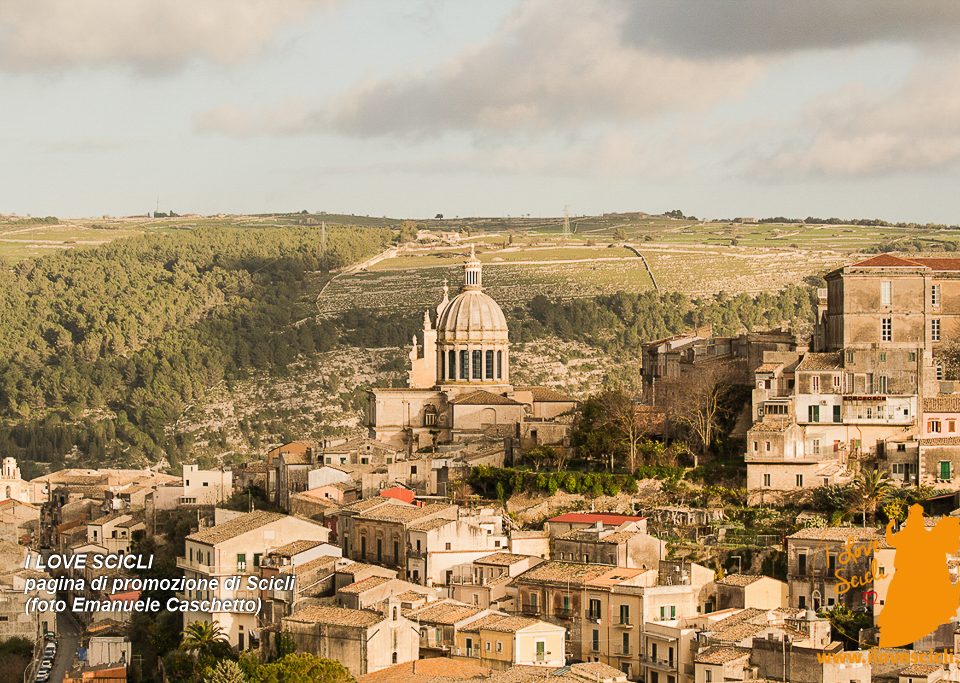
(624,623)
(666,664)
(530,609)
(565,613)
(624,651)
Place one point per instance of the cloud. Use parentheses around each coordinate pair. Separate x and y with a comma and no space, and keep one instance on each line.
(914,128)
(553,65)
(150,36)
(717,28)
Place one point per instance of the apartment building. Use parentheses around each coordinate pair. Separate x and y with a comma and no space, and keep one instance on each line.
(813,564)
(624,546)
(437,546)
(501,641)
(749,590)
(114,531)
(440,623)
(364,641)
(484,581)
(237,547)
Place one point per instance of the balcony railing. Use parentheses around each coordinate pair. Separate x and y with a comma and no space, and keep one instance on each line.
(624,623)
(660,663)
(530,609)
(564,612)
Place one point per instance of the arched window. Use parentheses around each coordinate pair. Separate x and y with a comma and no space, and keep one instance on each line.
(477,360)
(499,364)
(464,364)
(451,364)
(488,365)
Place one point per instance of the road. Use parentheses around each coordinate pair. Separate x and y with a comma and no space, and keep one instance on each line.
(68,640)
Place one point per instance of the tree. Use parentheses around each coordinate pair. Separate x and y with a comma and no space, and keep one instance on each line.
(870,488)
(699,401)
(302,668)
(629,425)
(206,640)
(226,671)
(619,234)
(408,232)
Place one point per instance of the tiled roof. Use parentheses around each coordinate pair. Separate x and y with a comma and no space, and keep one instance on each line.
(336,616)
(920,670)
(235,527)
(938,263)
(563,572)
(447,612)
(324,561)
(942,404)
(719,654)
(546,395)
(403,513)
(430,524)
(295,548)
(941,441)
(770,426)
(885,261)
(482,397)
(502,559)
(503,623)
(366,584)
(594,517)
(740,579)
(130,523)
(431,670)
(836,533)
(769,367)
(366,504)
(821,361)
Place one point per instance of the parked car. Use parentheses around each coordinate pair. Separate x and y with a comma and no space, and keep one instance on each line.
(50,649)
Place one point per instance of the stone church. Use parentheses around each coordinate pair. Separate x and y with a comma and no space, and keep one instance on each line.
(459,382)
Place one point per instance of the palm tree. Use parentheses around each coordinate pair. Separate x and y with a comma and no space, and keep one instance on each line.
(203,637)
(870,488)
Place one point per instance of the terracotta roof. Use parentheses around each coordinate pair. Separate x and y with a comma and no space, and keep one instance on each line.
(502,559)
(336,616)
(508,624)
(235,527)
(362,585)
(447,612)
(482,397)
(770,426)
(836,533)
(920,670)
(430,524)
(594,517)
(938,263)
(563,573)
(328,561)
(403,513)
(740,579)
(941,441)
(366,504)
(546,395)
(769,367)
(821,361)
(295,548)
(719,654)
(942,404)
(885,261)
(431,670)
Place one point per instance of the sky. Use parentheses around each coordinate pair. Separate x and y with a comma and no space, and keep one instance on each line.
(408,108)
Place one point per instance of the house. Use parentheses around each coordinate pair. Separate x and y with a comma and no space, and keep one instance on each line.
(206,487)
(749,590)
(812,565)
(363,641)
(624,546)
(501,641)
(484,581)
(437,545)
(236,547)
(440,623)
(115,531)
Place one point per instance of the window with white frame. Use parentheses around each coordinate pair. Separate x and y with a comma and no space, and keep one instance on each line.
(886,329)
(935,330)
(934,295)
(886,293)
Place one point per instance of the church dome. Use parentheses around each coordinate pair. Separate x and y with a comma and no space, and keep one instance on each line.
(472,316)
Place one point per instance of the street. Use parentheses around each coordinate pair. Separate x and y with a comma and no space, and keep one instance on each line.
(68,640)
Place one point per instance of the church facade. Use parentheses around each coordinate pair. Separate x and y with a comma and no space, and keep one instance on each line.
(459,381)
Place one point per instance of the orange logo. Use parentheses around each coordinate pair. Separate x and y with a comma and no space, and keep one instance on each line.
(921,596)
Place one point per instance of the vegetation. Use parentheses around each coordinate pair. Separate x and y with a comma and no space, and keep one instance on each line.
(126,336)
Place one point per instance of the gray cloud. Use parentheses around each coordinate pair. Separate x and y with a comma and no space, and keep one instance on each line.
(712,28)
(150,36)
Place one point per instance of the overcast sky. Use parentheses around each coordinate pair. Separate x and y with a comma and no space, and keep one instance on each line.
(412,107)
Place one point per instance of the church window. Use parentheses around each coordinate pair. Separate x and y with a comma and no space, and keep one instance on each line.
(488,365)
(477,360)
(464,364)
(499,364)
(452,364)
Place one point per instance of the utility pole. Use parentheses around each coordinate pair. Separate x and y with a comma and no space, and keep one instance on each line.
(566,222)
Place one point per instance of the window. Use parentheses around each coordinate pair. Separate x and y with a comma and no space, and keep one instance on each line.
(882,384)
(429,419)
(624,614)
(849,356)
(596,640)
(831,563)
(799,481)
(708,676)
(756,446)
(594,612)
(883,356)
(836,382)
(451,364)
(767,446)
(945,470)
(668,612)
(256,559)
(499,364)
(625,644)
(886,329)
(939,371)
(487,646)
(815,384)
(464,364)
(912,356)
(951,426)
(935,330)
(241,561)
(816,446)
(499,646)
(802,564)
(766,480)
(934,295)
(836,413)
(886,293)
(933,426)
(488,365)
(477,361)
(413,469)
(813,413)
(447,546)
